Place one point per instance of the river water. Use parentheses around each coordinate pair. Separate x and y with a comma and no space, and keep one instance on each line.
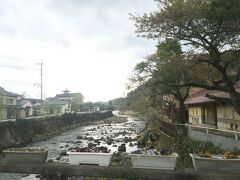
(115,131)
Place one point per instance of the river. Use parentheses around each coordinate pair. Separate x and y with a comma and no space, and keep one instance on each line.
(79,137)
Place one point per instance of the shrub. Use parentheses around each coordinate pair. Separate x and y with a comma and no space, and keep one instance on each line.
(184,146)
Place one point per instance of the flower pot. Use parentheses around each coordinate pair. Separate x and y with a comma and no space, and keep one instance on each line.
(215,163)
(25,155)
(101,159)
(154,161)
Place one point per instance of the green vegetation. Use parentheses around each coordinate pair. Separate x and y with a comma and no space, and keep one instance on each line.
(167,70)
(97,106)
(153,137)
(52,108)
(136,101)
(77,101)
(182,145)
(185,145)
(1,107)
(198,46)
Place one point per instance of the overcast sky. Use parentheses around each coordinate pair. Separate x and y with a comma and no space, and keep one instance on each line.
(87,46)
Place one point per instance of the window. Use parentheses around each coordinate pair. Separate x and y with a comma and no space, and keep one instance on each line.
(236,127)
(9,101)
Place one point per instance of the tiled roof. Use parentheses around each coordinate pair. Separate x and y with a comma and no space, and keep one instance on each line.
(200,96)
(66,95)
(55,102)
(21,102)
(3,92)
(34,101)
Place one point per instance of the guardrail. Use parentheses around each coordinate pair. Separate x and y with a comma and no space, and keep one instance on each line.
(170,128)
(208,130)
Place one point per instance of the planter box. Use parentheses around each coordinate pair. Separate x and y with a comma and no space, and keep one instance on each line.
(101,159)
(154,161)
(25,155)
(216,163)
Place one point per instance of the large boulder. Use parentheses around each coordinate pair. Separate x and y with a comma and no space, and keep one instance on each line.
(122,148)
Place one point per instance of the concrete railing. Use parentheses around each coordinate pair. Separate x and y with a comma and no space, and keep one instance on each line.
(227,139)
(60,171)
(207,130)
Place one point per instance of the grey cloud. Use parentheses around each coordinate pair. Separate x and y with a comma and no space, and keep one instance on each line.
(54,20)
(11,62)
(16,67)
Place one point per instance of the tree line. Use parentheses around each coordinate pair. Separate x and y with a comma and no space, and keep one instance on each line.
(198,46)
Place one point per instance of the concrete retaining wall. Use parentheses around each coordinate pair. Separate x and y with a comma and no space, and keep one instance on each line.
(23,131)
(57,171)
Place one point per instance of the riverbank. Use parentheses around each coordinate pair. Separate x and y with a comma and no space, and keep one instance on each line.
(116,133)
(113,132)
(24,131)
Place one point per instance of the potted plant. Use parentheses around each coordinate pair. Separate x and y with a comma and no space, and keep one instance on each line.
(151,159)
(25,155)
(98,156)
(212,162)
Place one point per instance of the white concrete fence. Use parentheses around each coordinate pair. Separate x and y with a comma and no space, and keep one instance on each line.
(227,139)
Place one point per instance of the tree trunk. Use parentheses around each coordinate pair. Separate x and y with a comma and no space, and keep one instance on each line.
(182,130)
(182,113)
(235,99)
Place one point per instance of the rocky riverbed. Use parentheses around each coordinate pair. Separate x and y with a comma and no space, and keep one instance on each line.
(117,134)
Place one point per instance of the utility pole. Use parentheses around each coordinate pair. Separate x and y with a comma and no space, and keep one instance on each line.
(41,84)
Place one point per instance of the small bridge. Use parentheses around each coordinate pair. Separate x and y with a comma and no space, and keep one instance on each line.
(59,171)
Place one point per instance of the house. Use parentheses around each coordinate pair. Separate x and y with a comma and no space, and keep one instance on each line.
(74,100)
(8,104)
(96,109)
(210,112)
(66,95)
(55,106)
(24,107)
(36,106)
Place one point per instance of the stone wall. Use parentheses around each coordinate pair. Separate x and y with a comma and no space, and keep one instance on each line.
(23,131)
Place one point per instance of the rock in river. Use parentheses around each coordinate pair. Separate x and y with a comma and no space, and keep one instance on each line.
(109,141)
(90,139)
(79,137)
(63,153)
(91,145)
(131,145)
(122,148)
